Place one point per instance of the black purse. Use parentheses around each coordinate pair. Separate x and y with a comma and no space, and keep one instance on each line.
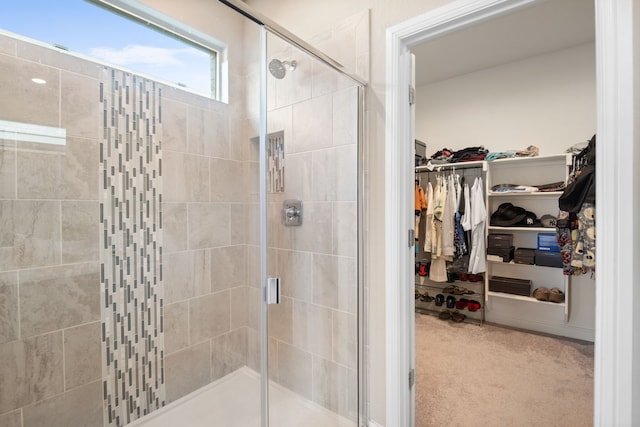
(583,188)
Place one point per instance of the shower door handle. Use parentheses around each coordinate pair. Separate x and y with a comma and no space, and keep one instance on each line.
(273,290)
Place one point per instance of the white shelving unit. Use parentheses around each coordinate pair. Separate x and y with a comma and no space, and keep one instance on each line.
(529,171)
(518,311)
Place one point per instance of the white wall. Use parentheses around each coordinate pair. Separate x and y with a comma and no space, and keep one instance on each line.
(547,101)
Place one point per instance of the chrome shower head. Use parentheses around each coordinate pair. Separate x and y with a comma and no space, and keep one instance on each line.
(278,68)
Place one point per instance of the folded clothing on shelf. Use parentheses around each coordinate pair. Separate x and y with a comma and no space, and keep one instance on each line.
(513,188)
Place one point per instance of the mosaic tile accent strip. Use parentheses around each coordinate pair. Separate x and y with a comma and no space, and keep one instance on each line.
(275,154)
(131,247)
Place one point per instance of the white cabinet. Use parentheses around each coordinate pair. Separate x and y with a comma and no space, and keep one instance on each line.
(517,310)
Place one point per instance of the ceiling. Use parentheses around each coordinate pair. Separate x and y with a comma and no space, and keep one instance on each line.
(548,26)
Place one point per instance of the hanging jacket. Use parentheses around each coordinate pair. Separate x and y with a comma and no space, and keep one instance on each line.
(420,200)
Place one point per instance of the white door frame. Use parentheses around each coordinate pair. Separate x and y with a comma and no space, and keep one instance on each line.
(617,384)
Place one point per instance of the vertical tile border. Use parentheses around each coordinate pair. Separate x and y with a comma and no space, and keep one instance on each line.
(132,294)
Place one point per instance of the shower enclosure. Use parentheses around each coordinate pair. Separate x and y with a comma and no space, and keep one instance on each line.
(166,258)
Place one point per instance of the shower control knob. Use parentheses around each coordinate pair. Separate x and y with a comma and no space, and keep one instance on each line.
(292,212)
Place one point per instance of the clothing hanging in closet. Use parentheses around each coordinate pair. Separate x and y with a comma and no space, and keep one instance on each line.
(420,205)
(477,260)
(453,225)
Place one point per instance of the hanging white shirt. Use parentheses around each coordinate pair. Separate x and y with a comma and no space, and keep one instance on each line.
(477,259)
(428,230)
(466,218)
(448,223)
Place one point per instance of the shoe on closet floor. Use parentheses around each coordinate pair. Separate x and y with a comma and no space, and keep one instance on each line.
(541,294)
(445,315)
(439,299)
(426,297)
(473,305)
(449,289)
(462,303)
(458,317)
(462,291)
(556,295)
(451,301)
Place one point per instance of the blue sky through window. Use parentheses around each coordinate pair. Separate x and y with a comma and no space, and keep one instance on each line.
(93,31)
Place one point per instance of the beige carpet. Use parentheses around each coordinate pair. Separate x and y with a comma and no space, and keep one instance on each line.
(490,376)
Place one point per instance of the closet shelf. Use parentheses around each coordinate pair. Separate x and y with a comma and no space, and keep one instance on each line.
(519,265)
(469,315)
(523,298)
(518,162)
(550,194)
(476,295)
(539,229)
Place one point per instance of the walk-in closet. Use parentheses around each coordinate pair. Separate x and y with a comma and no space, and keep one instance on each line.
(505,114)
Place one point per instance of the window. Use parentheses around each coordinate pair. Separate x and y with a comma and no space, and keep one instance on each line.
(125,34)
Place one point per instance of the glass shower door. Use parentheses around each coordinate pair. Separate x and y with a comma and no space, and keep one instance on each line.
(312,238)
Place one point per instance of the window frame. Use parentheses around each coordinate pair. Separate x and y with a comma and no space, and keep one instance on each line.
(144,15)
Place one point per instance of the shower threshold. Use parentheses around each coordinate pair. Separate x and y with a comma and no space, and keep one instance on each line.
(234,400)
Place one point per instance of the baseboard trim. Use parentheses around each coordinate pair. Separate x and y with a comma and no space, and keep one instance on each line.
(565,331)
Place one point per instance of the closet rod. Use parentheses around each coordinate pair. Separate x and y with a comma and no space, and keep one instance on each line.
(461,165)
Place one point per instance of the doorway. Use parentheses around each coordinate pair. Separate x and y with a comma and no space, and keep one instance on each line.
(611,44)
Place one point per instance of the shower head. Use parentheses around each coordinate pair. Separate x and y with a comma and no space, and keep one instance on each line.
(278,68)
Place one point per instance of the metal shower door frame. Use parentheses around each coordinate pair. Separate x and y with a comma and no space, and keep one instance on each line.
(267,26)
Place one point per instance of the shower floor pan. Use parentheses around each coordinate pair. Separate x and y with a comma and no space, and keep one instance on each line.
(235,401)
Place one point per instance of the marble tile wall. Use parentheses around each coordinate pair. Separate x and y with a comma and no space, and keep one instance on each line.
(50,373)
(50,317)
(49,199)
(205,246)
(313,344)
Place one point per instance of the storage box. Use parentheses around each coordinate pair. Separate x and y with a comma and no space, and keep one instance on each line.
(548,259)
(510,285)
(525,256)
(548,242)
(421,153)
(505,253)
(500,240)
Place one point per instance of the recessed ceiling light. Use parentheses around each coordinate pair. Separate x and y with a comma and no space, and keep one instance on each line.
(39,81)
